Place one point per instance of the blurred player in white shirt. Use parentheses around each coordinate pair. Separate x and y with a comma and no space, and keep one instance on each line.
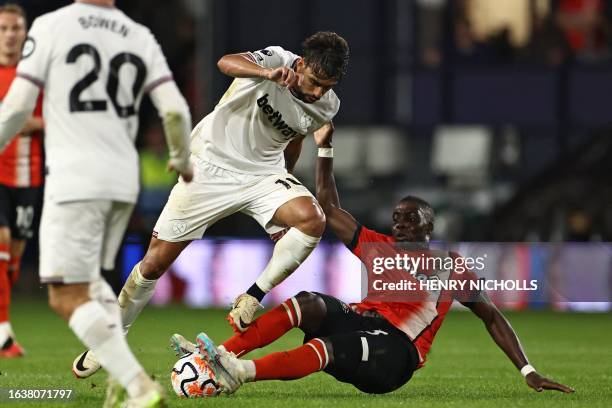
(94,65)
(243,153)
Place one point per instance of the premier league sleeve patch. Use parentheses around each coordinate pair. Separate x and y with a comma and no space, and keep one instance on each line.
(28,48)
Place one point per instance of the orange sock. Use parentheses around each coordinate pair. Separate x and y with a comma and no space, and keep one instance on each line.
(266,328)
(14,267)
(292,364)
(5,286)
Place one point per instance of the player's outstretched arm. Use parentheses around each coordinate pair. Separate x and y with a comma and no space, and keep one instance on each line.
(176,118)
(16,109)
(500,330)
(341,222)
(243,66)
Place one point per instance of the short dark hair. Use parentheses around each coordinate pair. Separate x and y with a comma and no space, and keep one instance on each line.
(327,54)
(14,9)
(424,205)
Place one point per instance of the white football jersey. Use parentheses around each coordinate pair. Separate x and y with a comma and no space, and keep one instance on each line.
(256,119)
(94,65)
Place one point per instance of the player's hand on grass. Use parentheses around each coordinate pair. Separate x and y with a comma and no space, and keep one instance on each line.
(186,174)
(323,136)
(539,383)
(284,76)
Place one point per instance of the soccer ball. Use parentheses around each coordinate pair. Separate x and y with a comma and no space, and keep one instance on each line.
(192,377)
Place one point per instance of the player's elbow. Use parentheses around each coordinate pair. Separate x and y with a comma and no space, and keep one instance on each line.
(223,64)
(232,64)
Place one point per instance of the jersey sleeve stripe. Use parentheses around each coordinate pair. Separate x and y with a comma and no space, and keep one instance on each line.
(157,83)
(251,57)
(32,79)
(353,244)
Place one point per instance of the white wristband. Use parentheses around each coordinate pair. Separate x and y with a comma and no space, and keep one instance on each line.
(326,152)
(528,369)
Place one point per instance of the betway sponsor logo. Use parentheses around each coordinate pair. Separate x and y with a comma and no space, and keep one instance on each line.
(276,118)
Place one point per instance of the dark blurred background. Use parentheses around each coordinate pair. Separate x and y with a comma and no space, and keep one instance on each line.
(497,112)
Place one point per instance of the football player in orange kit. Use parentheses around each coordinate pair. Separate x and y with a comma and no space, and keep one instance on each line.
(375,344)
(21,175)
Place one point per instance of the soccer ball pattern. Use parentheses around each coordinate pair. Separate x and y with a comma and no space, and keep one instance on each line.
(192,378)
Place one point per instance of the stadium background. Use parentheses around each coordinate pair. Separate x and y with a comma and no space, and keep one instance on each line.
(496,114)
(490,109)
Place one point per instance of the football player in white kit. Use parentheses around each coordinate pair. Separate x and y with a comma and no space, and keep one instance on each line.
(243,154)
(94,65)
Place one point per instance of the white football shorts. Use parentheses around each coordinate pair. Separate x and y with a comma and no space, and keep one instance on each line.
(216,193)
(78,238)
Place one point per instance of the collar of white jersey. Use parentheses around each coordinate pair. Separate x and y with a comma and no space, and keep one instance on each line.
(104,6)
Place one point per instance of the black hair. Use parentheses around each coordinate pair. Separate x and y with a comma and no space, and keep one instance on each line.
(327,54)
(428,211)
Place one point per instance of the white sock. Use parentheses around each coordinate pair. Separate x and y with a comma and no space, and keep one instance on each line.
(102,335)
(101,291)
(139,385)
(289,252)
(6,331)
(134,296)
(248,367)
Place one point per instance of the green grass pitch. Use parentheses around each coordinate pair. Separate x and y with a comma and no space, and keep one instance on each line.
(465,368)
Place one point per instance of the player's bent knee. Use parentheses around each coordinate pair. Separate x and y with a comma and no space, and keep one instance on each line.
(304,214)
(311,221)
(309,301)
(312,309)
(319,222)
